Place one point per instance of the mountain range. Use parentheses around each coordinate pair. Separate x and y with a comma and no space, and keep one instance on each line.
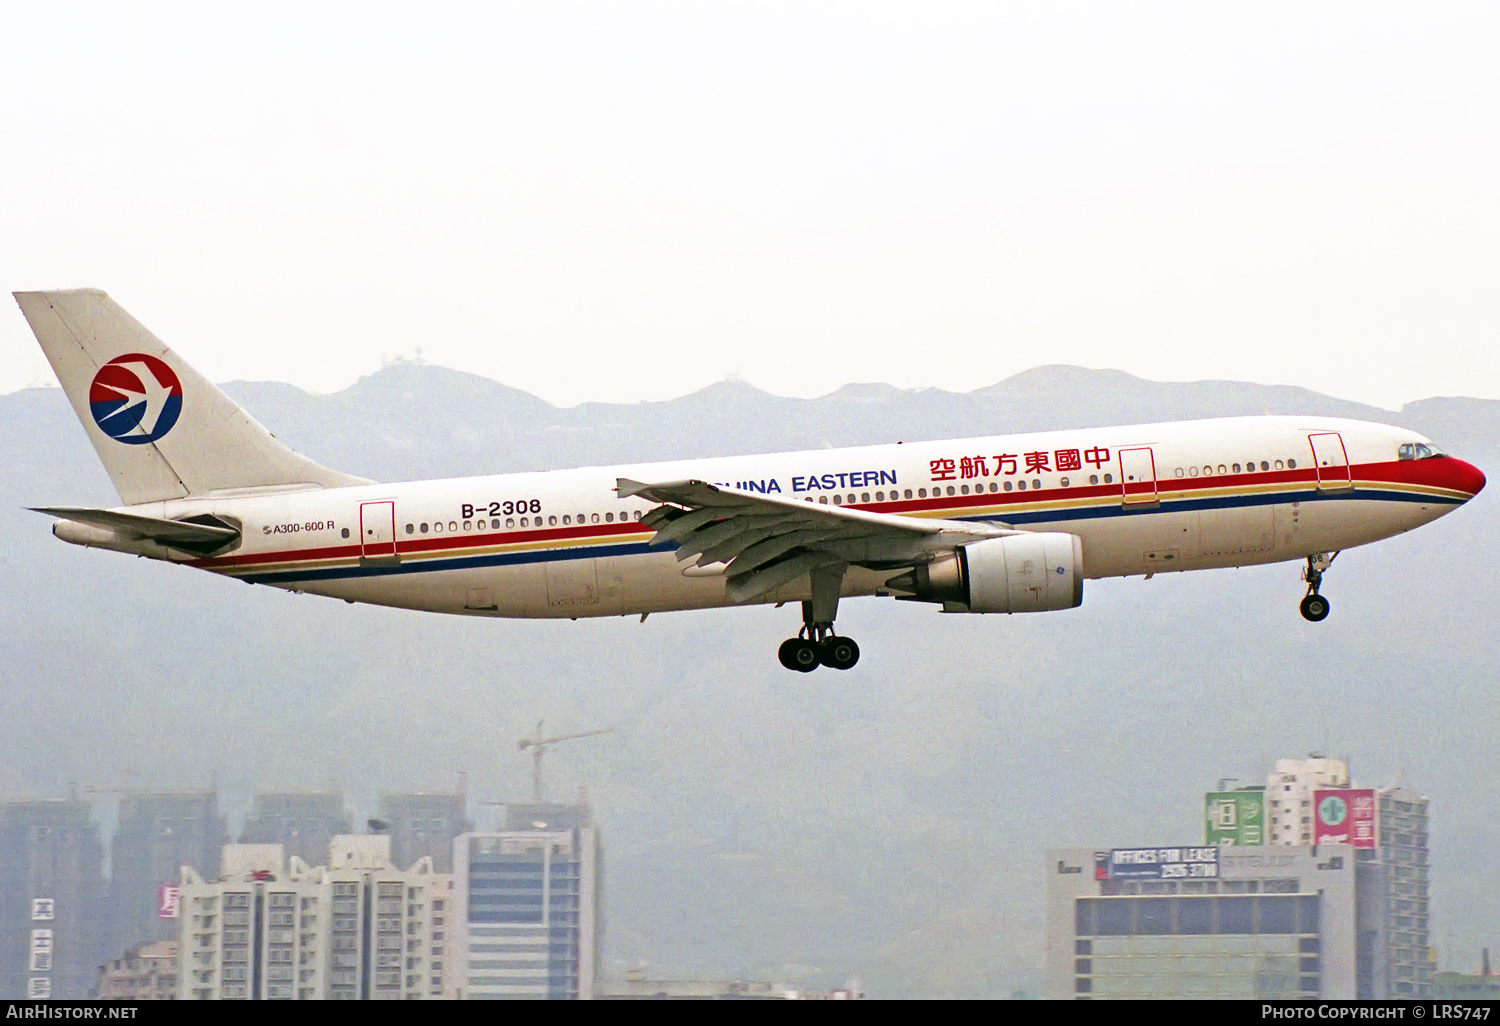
(887,824)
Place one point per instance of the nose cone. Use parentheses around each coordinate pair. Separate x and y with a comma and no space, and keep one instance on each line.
(1467,477)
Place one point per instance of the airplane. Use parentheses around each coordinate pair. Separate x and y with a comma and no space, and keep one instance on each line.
(1006,524)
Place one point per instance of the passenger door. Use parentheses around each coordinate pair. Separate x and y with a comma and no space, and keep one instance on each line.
(377,532)
(1331,460)
(1137,476)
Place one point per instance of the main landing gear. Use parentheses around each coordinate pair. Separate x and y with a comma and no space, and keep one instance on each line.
(815,644)
(1315,607)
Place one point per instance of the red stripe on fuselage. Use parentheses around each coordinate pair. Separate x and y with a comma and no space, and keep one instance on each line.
(1436,473)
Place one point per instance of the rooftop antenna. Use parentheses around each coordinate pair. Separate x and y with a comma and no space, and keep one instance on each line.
(538,746)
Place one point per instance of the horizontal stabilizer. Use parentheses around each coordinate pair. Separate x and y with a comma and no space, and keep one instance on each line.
(167,532)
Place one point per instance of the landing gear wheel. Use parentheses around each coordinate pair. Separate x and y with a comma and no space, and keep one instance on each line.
(799,654)
(839,653)
(1315,608)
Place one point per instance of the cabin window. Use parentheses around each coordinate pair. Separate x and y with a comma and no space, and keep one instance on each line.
(495,524)
(594,518)
(908,493)
(1093,479)
(1291,464)
(1223,469)
(411,528)
(1036,483)
(1063,482)
(609,518)
(437,527)
(1192,471)
(568,519)
(346,530)
(964,489)
(468,525)
(880,496)
(1264,465)
(1250,467)
(950,489)
(1109,478)
(452,525)
(994,487)
(551,521)
(864,497)
(921,493)
(1020,485)
(838,500)
(1208,471)
(1278,464)
(423,529)
(1235,468)
(1178,472)
(1008,486)
(823,500)
(637,514)
(510,521)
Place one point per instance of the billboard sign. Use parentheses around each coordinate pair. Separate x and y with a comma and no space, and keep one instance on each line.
(1345,816)
(1164,863)
(1235,817)
(168,900)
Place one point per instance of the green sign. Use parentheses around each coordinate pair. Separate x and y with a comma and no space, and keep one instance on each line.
(1234,817)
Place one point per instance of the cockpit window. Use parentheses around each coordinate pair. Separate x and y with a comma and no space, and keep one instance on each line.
(1418,451)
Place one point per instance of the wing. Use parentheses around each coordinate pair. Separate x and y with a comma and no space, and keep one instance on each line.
(767,540)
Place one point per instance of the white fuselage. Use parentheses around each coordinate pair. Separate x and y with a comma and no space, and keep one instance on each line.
(1143,499)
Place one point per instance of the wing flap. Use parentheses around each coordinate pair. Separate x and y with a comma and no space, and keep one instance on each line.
(769,540)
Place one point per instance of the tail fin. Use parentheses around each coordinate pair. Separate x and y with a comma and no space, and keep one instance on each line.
(160,428)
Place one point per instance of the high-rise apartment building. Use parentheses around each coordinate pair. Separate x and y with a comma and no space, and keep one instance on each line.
(159,832)
(274,928)
(53,920)
(424,825)
(303,823)
(1289,796)
(1403,850)
(528,906)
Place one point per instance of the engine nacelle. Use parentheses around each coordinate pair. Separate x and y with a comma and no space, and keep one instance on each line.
(1022,573)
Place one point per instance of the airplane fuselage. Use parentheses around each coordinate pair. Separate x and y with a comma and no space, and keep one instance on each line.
(1143,499)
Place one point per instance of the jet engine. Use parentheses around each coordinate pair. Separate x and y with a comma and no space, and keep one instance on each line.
(1022,573)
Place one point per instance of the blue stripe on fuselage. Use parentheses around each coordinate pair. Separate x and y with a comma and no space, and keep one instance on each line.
(1041,516)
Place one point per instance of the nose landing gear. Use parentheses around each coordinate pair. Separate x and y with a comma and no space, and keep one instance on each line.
(1314,606)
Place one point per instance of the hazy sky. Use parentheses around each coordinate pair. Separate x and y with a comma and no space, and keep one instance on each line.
(629,200)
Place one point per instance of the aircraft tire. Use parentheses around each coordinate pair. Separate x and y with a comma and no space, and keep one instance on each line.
(1315,608)
(839,653)
(798,654)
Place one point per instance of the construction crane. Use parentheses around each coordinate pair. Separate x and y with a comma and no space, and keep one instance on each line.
(538,746)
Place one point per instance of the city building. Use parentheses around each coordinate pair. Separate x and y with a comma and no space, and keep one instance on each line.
(52,900)
(273,928)
(1248,922)
(302,822)
(1403,850)
(528,906)
(147,972)
(424,825)
(1289,796)
(159,832)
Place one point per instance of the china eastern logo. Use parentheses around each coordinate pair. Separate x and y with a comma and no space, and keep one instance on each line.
(135,398)
(1333,811)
